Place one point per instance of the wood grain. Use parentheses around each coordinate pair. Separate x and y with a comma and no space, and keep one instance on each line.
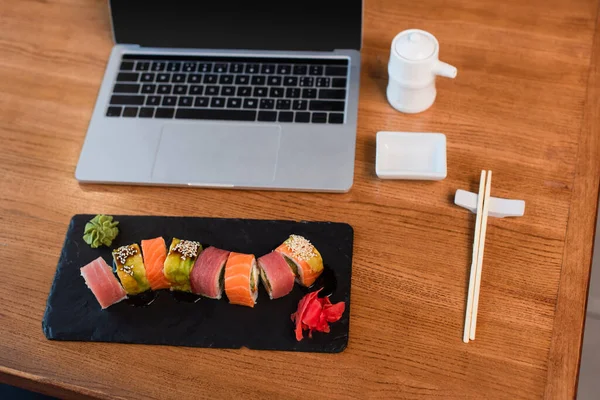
(520,106)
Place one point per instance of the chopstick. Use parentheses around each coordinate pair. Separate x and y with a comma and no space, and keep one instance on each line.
(484,218)
(474,258)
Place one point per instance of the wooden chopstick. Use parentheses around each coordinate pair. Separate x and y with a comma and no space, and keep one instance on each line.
(469,309)
(484,218)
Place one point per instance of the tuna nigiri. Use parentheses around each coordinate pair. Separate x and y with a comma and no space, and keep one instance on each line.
(102,282)
(130,269)
(276,275)
(241,279)
(207,276)
(155,253)
(304,259)
(179,263)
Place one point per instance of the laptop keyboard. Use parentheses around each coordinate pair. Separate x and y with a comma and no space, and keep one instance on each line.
(230,88)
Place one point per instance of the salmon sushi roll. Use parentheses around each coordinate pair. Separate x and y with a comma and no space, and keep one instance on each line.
(304,259)
(179,263)
(155,253)
(276,275)
(130,269)
(241,279)
(208,275)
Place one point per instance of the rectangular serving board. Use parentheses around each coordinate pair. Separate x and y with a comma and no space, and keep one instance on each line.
(73,314)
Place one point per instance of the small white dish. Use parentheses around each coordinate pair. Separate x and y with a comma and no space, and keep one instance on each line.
(411,155)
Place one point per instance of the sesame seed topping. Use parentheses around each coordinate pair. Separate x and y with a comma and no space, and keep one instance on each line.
(187,249)
(301,248)
(124,252)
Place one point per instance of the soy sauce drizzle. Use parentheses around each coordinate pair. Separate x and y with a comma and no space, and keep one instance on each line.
(143,299)
(327,281)
(185,297)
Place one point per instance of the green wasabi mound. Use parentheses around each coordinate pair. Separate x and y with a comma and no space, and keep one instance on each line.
(100,230)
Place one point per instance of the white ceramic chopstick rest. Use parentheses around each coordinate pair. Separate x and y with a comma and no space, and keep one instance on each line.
(499,208)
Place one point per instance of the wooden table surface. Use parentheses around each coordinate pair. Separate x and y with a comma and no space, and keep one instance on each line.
(525,105)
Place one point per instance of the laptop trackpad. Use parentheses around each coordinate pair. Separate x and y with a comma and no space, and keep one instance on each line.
(217,153)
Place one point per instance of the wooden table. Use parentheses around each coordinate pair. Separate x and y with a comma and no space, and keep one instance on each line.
(525,105)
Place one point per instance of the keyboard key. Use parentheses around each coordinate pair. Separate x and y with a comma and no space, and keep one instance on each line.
(267,116)
(174,67)
(126,88)
(286,116)
(250,103)
(169,101)
(194,78)
(127,100)
(242,80)
(274,81)
(315,70)
(126,66)
(146,112)
(178,78)
(338,94)
(201,102)
(163,78)
(212,91)
(130,112)
(164,112)
(319,118)
(283,104)
(226,115)
(226,79)
(142,66)
(258,80)
(252,68)
(185,101)
(234,102)
(180,89)
(299,105)
(244,91)
(236,68)
(227,90)
(260,91)
(336,71)
(147,77)
(323,82)
(189,67)
(290,81)
(300,70)
(114,111)
(128,77)
(220,68)
(153,100)
(307,81)
(217,102)
(164,89)
(276,92)
(338,82)
(292,93)
(336,118)
(267,69)
(211,78)
(302,117)
(284,69)
(204,67)
(158,66)
(309,93)
(322,105)
(196,90)
(148,89)
(267,104)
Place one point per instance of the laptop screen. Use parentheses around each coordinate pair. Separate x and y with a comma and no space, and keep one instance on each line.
(305,25)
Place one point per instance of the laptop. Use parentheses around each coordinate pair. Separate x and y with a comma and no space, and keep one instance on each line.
(228,94)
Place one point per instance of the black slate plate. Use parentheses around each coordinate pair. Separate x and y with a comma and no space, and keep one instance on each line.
(72,312)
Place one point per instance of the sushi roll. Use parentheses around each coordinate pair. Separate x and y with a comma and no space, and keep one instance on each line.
(208,275)
(179,263)
(276,275)
(102,282)
(304,259)
(241,279)
(155,253)
(130,269)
